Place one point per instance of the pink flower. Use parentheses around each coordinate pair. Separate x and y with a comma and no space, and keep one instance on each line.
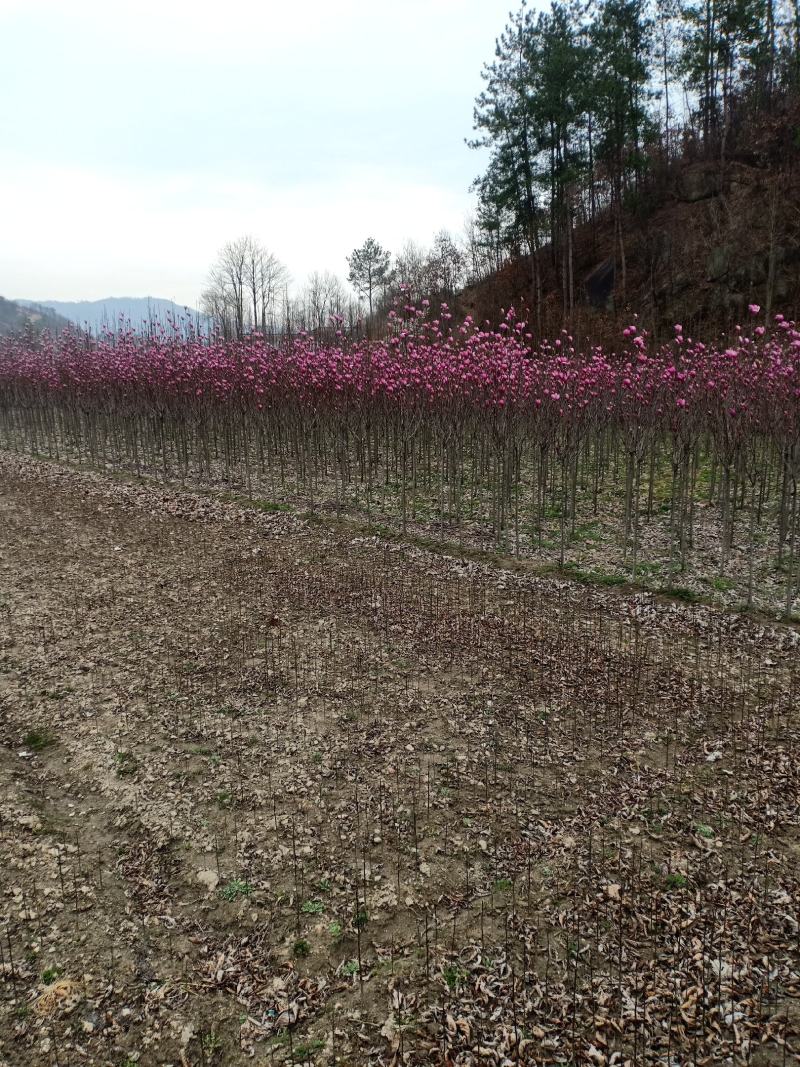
(754,308)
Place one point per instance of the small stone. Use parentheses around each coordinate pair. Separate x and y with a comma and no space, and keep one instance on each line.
(208,878)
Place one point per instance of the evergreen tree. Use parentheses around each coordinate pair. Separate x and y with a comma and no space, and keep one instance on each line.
(369,270)
(569,112)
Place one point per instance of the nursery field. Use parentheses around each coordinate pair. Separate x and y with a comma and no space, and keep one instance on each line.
(673,468)
(278,791)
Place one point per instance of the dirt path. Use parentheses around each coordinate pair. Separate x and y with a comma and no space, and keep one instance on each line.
(272,794)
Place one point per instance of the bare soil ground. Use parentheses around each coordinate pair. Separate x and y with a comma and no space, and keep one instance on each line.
(274,793)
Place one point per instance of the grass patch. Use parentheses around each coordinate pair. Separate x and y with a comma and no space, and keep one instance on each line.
(678,592)
(211,1043)
(578,574)
(588,532)
(649,569)
(454,976)
(39,739)
(676,881)
(230,710)
(600,578)
(304,1052)
(125,764)
(269,506)
(721,585)
(235,889)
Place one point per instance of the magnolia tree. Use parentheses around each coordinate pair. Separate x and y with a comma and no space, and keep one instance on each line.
(489,425)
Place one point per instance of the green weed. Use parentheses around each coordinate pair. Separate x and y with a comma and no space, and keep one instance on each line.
(234,889)
(313,907)
(37,740)
(125,764)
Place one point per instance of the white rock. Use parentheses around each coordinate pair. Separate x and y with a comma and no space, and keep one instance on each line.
(208,878)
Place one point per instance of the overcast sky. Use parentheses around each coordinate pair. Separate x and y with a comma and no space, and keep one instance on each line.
(136,138)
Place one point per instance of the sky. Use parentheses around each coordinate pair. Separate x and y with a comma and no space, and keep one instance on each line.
(136,138)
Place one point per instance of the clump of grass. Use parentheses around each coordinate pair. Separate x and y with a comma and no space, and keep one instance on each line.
(230,710)
(335,930)
(722,585)
(677,881)
(571,570)
(454,976)
(680,593)
(303,1052)
(234,889)
(211,1043)
(350,968)
(50,974)
(125,764)
(301,948)
(263,505)
(313,907)
(646,568)
(603,578)
(39,739)
(703,830)
(588,531)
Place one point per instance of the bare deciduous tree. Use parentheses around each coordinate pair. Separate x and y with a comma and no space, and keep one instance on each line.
(324,295)
(244,284)
(412,272)
(446,265)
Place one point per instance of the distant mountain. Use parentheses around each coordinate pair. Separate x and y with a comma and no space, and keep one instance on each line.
(16,315)
(137,311)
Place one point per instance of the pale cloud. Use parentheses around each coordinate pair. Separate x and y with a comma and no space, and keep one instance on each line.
(142,136)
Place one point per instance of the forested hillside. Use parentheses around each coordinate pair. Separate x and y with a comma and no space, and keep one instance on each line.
(15,317)
(642,158)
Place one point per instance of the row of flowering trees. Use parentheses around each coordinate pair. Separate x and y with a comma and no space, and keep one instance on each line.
(455,420)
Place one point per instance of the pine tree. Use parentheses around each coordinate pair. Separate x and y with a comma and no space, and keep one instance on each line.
(369,270)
